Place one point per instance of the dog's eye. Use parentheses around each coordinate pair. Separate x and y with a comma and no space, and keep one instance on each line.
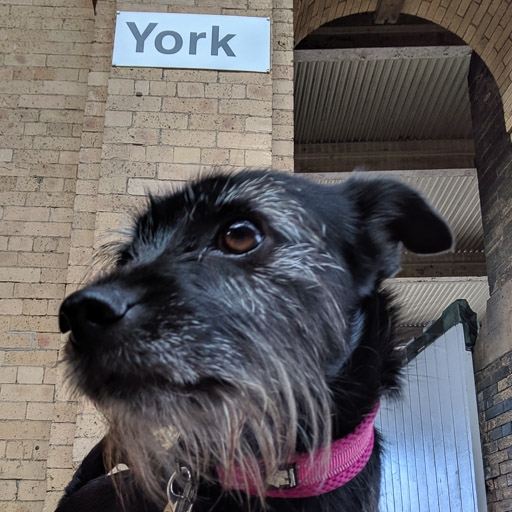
(240,237)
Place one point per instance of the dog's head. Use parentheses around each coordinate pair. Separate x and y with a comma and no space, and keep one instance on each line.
(228,313)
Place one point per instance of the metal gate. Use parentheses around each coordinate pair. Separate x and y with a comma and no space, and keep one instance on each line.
(432,458)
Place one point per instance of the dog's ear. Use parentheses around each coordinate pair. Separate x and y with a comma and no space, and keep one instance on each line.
(385,214)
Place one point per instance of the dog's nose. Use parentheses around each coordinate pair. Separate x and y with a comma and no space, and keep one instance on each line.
(90,311)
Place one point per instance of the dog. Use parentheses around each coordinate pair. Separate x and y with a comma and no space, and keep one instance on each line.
(240,342)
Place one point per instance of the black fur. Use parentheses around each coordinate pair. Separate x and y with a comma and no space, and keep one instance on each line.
(163,329)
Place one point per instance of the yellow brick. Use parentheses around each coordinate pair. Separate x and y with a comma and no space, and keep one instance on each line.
(98,78)
(258,158)
(31,490)
(52,185)
(146,136)
(32,358)
(123,86)
(259,92)
(244,78)
(7,375)
(190,90)
(214,156)
(160,154)
(6,155)
(186,155)
(7,490)
(8,259)
(112,186)
(13,410)
(216,122)
(135,103)
(46,229)
(62,433)
(11,306)
(51,501)
(143,187)
(282,132)
(34,323)
(35,307)
(40,411)
(6,290)
(43,260)
(193,105)
(26,469)
(258,124)
(40,291)
(19,449)
(51,376)
(24,430)
(178,172)
(113,118)
(219,91)
(82,255)
(237,157)
(25,392)
(65,412)
(90,425)
(30,375)
(83,446)
(41,450)
(244,140)
(282,147)
(24,275)
(60,456)
(16,340)
(247,107)
(58,479)
(283,163)
(160,88)
(42,101)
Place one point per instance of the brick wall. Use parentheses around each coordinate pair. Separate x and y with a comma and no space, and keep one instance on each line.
(44,62)
(493,354)
(485,26)
(149,129)
(494,395)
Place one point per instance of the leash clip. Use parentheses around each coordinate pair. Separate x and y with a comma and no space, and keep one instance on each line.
(180,500)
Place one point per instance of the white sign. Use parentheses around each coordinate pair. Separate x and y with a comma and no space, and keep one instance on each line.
(198,41)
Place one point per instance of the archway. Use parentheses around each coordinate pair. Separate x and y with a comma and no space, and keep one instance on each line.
(456,27)
(483,27)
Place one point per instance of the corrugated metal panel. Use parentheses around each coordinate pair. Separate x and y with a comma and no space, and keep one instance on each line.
(456,198)
(432,456)
(382,94)
(423,302)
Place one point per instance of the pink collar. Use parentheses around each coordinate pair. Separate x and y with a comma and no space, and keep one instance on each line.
(307,476)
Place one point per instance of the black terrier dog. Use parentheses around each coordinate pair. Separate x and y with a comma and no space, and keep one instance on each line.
(240,343)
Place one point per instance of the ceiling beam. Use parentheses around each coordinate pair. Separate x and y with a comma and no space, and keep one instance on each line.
(394,155)
(378,36)
(451,266)
(343,30)
(332,178)
(388,11)
(396,53)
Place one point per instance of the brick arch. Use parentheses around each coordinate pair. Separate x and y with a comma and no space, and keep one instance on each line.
(484,27)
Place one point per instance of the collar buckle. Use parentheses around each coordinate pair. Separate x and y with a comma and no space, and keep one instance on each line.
(285,478)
